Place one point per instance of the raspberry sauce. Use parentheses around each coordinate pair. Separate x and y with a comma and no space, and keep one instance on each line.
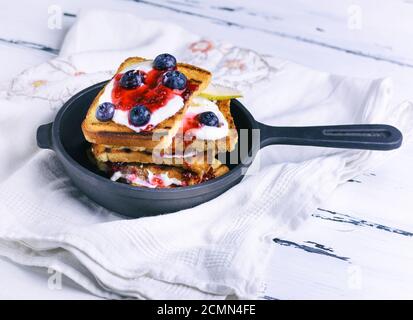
(189,122)
(158,182)
(152,93)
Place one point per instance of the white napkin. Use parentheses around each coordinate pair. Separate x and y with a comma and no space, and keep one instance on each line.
(215,250)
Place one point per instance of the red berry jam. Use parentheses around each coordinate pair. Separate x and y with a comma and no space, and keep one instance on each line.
(152,93)
(158,182)
(190,121)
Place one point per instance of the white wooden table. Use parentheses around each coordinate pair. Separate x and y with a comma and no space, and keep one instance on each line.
(359,244)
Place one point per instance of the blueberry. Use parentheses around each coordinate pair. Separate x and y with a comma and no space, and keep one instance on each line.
(164,61)
(105,111)
(174,80)
(208,118)
(131,79)
(139,115)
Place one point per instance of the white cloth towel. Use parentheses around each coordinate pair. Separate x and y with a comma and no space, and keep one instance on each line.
(215,250)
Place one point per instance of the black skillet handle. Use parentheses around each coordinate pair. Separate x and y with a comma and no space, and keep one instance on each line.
(361,136)
(44,136)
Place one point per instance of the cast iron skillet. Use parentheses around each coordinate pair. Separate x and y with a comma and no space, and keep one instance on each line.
(65,137)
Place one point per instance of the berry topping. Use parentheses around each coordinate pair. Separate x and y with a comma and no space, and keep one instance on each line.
(139,116)
(131,79)
(208,118)
(174,80)
(105,111)
(164,61)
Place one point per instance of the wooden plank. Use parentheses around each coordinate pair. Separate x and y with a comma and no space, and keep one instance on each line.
(318,57)
(364,28)
(370,222)
(378,264)
(295,21)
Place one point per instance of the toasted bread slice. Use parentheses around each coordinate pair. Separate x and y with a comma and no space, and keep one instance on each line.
(158,176)
(178,146)
(225,144)
(198,162)
(113,134)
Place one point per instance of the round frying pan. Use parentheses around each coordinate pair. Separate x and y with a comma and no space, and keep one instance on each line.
(65,138)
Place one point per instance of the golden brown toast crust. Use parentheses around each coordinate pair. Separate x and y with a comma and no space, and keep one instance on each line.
(110,133)
(226,144)
(199,163)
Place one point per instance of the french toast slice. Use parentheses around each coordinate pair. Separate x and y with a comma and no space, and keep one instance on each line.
(158,176)
(179,146)
(225,144)
(199,162)
(113,134)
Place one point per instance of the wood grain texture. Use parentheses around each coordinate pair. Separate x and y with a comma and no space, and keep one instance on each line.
(359,243)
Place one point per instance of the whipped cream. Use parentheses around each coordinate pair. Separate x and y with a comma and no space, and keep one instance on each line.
(188,154)
(199,105)
(159,115)
(172,107)
(166,181)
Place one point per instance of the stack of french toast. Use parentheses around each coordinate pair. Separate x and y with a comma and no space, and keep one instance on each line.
(161,124)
